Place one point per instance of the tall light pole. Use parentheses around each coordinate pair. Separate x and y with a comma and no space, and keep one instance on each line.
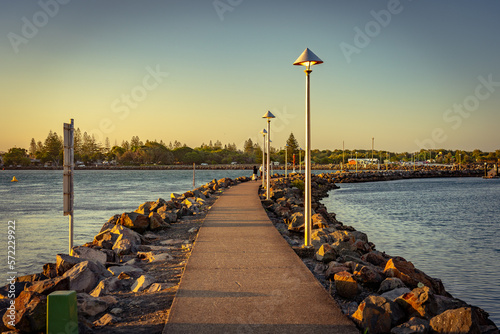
(268,115)
(307,59)
(263,133)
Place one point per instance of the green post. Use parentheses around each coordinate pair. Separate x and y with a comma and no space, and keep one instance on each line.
(62,314)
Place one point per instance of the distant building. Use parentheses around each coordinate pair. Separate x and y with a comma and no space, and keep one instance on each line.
(362,161)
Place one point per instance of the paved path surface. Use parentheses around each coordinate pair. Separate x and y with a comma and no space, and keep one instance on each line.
(243,277)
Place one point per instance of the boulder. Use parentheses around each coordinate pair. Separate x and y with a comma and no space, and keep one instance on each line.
(105,239)
(390,283)
(105,320)
(89,306)
(376,258)
(81,277)
(461,321)
(65,262)
(419,302)
(127,269)
(392,295)
(144,208)
(368,275)
(142,283)
(48,286)
(50,270)
(413,326)
(333,268)
(89,254)
(296,223)
(406,271)
(346,285)
(156,222)
(107,285)
(135,221)
(30,313)
(318,221)
(326,253)
(169,217)
(378,315)
(155,287)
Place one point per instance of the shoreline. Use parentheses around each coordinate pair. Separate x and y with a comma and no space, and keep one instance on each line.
(379,292)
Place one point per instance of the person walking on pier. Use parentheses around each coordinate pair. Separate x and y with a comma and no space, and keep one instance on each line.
(254,176)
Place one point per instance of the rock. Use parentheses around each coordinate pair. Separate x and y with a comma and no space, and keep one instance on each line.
(296,222)
(81,277)
(105,239)
(156,222)
(30,313)
(155,287)
(123,246)
(406,271)
(142,283)
(107,285)
(127,240)
(333,268)
(89,254)
(413,326)
(150,257)
(367,275)
(391,283)
(116,310)
(376,258)
(175,197)
(135,221)
(48,286)
(169,217)
(91,306)
(105,320)
(392,295)
(318,221)
(129,270)
(144,208)
(446,303)
(50,270)
(65,262)
(457,321)
(326,254)
(345,285)
(419,302)
(378,314)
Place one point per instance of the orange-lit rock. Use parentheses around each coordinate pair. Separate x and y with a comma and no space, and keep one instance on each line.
(345,284)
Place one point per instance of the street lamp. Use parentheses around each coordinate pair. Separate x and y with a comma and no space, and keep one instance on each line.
(307,59)
(263,133)
(268,115)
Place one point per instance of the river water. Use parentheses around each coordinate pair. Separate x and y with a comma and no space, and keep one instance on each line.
(448,227)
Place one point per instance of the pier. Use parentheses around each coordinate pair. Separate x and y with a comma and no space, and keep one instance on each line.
(243,277)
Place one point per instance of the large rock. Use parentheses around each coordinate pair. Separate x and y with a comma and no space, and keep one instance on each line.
(65,262)
(326,254)
(29,314)
(419,302)
(457,321)
(368,275)
(50,270)
(142,283)
(48,286)
(318,221)
(411,276)
(335,267)
(89,254)
(127,269)
(378,315)
(90,306)
(134,221)
(107,285)
(346,285)
(156,222)
(127,240)
(413,326)
(376,258)
(144,208)
(296,222)
(392,295)
(390,283)
(81,277)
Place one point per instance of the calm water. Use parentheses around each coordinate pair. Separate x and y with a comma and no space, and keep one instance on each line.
(449,228)
(35,203)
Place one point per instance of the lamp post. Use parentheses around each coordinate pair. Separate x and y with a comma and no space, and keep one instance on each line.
(263,133)
(268,115)
(307,59)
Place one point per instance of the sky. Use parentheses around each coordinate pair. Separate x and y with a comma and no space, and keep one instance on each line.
(410,74)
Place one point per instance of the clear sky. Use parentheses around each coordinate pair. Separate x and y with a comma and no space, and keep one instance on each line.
(411,74)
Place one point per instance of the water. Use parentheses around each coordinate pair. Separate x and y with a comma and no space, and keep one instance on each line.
(448,227)
(35,203)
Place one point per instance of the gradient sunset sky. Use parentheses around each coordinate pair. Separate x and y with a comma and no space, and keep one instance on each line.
(412,74)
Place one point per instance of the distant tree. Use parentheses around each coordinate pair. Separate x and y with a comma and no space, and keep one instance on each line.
(52,149)
(125,145)
(32,149)
(16,156)
(135,143)
(77,143)
(248,146)
(106,145)
(217,145)
(292,145)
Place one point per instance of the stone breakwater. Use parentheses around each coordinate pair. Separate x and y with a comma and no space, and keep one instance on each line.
(379,292)
(127,275)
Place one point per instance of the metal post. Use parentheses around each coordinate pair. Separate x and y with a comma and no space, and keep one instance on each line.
(307,183)
(263,157)
(68,195)
(268,182)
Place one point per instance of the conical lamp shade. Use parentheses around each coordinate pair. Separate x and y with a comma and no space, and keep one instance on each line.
(269,115)
(308,58)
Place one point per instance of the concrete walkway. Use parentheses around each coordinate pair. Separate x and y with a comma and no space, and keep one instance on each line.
(243,277)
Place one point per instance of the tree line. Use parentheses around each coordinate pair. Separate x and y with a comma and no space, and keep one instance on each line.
(136,152)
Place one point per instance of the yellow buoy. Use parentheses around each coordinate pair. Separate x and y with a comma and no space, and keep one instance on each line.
(14,179)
